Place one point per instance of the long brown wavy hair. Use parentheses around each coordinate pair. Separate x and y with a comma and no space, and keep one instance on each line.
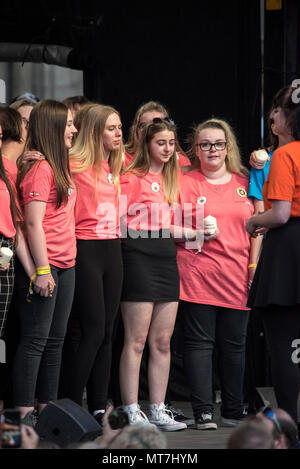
(47,124)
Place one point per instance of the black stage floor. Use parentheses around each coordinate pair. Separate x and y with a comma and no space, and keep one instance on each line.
(207,439)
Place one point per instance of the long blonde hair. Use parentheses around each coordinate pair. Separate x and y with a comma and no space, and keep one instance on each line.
(88,150)
(140,165)
(233,159)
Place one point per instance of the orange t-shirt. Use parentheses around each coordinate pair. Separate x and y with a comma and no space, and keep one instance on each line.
(58,224)
(283,181)
(6,223)
(218,275)
(96,211)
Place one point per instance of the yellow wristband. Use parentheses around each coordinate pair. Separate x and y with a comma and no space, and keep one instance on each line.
(32,278)
(43,270)
(252,265)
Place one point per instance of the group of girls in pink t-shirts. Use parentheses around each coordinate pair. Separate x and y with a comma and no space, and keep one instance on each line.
(111,226)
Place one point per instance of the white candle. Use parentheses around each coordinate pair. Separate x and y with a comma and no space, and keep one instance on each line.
(5,256)
(261,155)
(210,224)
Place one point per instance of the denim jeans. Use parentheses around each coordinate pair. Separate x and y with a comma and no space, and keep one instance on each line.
(205,327)
(43,327)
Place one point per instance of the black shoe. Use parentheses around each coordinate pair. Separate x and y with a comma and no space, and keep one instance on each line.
(99,419)
(206,422)
(233,422)
(31,418)
(179,416)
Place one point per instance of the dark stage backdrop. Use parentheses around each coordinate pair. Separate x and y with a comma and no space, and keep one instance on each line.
(200,59)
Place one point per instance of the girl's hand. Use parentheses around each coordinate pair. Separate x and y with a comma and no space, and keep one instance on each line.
(108,434)
(259,231)
(210,237)
(30,438)
(44,285)
(251,273)
(255,163)
(251,226)
(5,268)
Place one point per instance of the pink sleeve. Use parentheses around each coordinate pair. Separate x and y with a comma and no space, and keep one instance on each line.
(37,183)
(130,184)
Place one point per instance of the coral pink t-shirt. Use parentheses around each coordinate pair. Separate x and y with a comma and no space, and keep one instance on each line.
(58,224)
(127,159)
(6,223)
(218,275)
(144,203)
(96,210)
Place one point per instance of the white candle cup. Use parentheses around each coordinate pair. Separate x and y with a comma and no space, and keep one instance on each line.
(5,256)
(261,155)
(210,225)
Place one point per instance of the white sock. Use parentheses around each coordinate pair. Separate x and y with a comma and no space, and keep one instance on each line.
(154,407)
(99,411)
(131,407)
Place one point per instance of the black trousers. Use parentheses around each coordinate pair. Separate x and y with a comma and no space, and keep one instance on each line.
(282,328)
(204,327)
(43,326)
(88,345)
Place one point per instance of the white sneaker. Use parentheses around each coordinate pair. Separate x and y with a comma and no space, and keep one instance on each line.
(163,418)
(135,415)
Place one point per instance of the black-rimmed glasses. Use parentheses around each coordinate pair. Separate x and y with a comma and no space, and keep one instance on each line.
(207,146)
(270,414)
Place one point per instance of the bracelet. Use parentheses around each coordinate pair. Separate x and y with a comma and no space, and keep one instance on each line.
(252,265)
(43,270)
(30,292)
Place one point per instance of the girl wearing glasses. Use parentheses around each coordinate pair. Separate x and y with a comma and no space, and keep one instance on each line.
(151,283)
(145,114)
(214,281)
(275,288)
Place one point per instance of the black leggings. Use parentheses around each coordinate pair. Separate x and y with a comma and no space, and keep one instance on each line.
(282,327)
(88,345)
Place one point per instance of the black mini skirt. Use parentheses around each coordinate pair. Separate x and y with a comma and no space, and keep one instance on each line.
(150,267)
(277,277)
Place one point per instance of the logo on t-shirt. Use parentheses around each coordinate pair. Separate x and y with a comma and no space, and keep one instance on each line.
(241,192)
(34,194)
(110,178)
(201,200)
(155,187)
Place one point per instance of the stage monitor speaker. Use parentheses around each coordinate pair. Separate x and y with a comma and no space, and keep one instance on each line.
(64,422)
